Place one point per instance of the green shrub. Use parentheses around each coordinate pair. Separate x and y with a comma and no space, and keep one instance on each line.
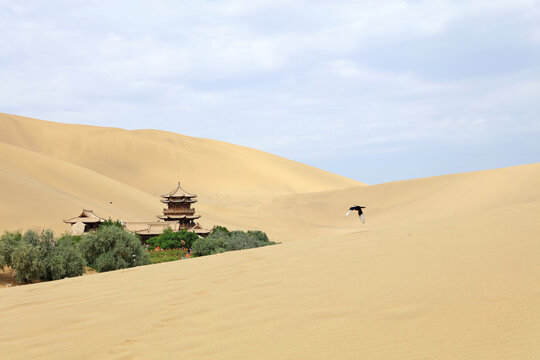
(8,242)
(221,239)
(30,255)
(170,239)
(239,240)
(36,256)
(261,237)
(64,260)
(71,239)
(27,262)
(209,246)
(45,242)
(31,237)
(111,222)
(112,248)
(111,260)
(220,231)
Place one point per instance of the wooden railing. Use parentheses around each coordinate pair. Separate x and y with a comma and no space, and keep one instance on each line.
(178,211)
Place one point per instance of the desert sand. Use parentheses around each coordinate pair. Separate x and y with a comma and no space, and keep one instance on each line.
(445,267)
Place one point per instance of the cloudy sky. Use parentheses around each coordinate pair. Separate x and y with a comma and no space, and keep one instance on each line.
(373,90)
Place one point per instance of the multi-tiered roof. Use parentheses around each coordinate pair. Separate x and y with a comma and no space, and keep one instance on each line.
(179,207)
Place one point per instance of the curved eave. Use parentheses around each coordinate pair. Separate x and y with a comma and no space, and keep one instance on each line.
(84,221)
(147,232)
(201,231)
(176,190)
(179,196)
(182,200)
(178,217)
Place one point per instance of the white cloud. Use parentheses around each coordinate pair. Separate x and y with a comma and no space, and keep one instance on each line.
(329,75)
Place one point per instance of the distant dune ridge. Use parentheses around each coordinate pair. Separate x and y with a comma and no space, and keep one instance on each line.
(445,267)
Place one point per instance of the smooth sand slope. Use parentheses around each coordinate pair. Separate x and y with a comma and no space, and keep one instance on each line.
(40,191)
(444,268)
(152,160)
(292,217)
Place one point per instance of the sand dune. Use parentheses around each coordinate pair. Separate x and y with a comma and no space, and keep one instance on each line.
(444,268)
(152,160)
(433,290)
(291,217)
(39,191)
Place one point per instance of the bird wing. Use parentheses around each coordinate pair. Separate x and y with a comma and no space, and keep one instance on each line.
(363,218)
(348,212)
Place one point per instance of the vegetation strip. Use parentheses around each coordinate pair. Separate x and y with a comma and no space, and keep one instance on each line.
(35,257)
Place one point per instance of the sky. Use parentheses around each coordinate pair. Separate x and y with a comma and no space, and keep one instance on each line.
(373,90)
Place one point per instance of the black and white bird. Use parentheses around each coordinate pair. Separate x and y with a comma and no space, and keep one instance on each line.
(360,213)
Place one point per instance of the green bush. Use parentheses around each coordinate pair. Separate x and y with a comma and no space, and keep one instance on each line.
(209,246)
(111,260)
(8,242)
(170,239)
(60,258)
(261,237)
(31,237)
(221,240)
(238,240)
(64,260)
(111,222)
(36,256)
(71,239)
(220,231)
(30,255)
(45,241)
(27,262)
(112,248)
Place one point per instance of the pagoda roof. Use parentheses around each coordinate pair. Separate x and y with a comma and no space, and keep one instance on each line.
(86,217)
(181,200)
(198,229)
(178,217)
(178,192)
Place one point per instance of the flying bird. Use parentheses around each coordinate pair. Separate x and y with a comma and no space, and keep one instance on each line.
(360,213)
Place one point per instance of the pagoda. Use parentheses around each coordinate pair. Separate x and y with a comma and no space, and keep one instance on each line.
(179,208)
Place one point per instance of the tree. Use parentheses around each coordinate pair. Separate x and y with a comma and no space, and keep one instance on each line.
(111,248)
(111,222)
(209,246)
(27,262)
(170,239)
(221,240)
(64,260)
(8,242)
(220,231)
(38,256)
